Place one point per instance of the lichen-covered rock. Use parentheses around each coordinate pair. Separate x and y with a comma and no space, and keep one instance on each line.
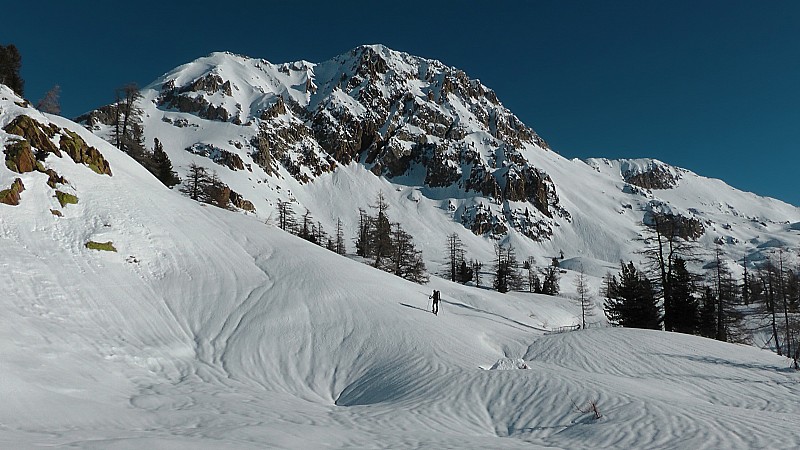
(106,115)
(104,246)
(81,152)
(38,135)
(19,157)
(11,196)
(66,199)
(54,179)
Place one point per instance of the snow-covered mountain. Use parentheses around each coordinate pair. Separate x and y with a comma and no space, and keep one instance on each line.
(443,150)
(187,326)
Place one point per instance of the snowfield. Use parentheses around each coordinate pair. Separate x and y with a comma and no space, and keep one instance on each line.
(211,329)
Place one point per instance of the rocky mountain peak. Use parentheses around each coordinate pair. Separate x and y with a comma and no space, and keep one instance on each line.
(399,115)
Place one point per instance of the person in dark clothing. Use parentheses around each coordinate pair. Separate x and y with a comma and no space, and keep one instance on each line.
(436,296)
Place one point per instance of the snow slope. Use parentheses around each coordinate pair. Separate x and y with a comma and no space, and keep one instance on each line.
(211,329)
(445,150)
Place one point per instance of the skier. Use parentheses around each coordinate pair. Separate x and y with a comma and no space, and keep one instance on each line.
(436,297)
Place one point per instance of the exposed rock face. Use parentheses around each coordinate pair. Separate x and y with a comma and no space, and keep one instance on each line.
(81,152)
(11,196)
(687,228)
(653,177)
(20,158)
(240,202)
(397,114)
(218,155)
(186,98)
(106,115)
(36,134)
(65,198)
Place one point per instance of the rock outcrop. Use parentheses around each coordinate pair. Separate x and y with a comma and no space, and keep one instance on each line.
(11,195)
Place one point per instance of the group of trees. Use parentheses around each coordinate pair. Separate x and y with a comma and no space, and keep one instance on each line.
(665,294)
(127,134)
(507,276)
(389,246)
(715,304)
(10,65)
(773,295)
(457,268)
(309,229)
(204,186)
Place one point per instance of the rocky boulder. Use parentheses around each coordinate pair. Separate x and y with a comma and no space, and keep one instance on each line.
(11,196)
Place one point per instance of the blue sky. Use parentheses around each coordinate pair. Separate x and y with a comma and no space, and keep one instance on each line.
(712,86)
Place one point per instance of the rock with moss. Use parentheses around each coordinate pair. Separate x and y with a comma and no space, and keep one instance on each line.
(19,157)
(38,135)
(105,246)
(10,196)
(81,152)
(53,178)
(66,199)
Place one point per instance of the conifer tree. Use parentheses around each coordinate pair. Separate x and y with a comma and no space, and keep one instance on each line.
(666,241)
(505,269)
(455,256)
(550,281)
(363,247)
(196,184)
(631,302)
(685,309)
(10,65)
(339,244)
(729,319)
(381,237)
(285,216)
(163,166)
(707,326)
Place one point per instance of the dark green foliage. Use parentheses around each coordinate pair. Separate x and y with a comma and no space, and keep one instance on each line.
(631,300)
(506,276)
(465,272)
(381,232)
(550,283)
(10,65)
(162,166)
(685,309)
(707,323)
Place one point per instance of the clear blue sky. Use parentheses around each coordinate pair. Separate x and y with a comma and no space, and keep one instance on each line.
(712,86)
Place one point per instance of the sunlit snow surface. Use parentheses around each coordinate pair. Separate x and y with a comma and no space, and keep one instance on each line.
(210,329)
